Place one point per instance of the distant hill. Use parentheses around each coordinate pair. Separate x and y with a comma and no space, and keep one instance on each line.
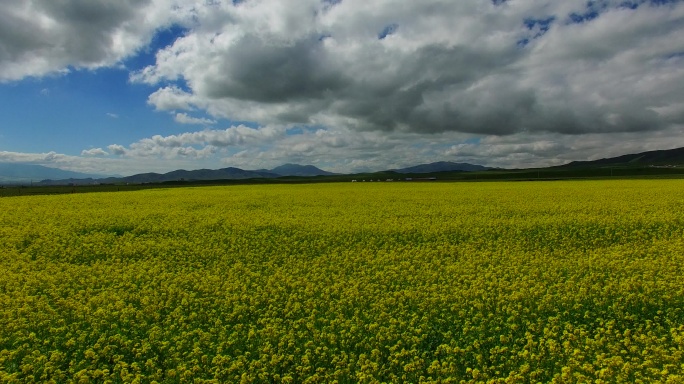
(201,174)
(26,173)
(671,157)
(177,175)
(299,170)
(442,166)
(230,173)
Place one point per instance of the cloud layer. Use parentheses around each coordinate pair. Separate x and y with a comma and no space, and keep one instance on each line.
(505,83)
(432,66)
(41,37)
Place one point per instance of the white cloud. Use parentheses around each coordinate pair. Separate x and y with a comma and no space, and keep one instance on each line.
(121,165)
(184,144)
(58,160)
(344,150)
(545,149)
(116,149)
(171,98)
(19,157)
(94,152)
(184,118)
(113,115)
(455,66)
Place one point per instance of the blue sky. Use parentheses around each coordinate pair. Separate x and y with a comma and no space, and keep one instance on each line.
(79,110)
(124,86)
(85,108)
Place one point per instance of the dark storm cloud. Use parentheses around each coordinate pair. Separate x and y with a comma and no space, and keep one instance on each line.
(256,70)
(89,25)
(415,95)
(39,37)
(460,69)
(18,37)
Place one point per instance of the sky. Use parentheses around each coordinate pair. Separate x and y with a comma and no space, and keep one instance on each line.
(118,87)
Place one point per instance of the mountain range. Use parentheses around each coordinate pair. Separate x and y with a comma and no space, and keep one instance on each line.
(668,157)
(28,173)
(231,173)
(442,166)
(298,170)
(14,173)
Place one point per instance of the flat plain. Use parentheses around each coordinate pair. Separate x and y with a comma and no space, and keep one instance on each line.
(515,282)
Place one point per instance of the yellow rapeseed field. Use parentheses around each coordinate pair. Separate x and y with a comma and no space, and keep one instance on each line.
(514,282)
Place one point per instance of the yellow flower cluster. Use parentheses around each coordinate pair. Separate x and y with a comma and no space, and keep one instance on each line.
(560,282)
